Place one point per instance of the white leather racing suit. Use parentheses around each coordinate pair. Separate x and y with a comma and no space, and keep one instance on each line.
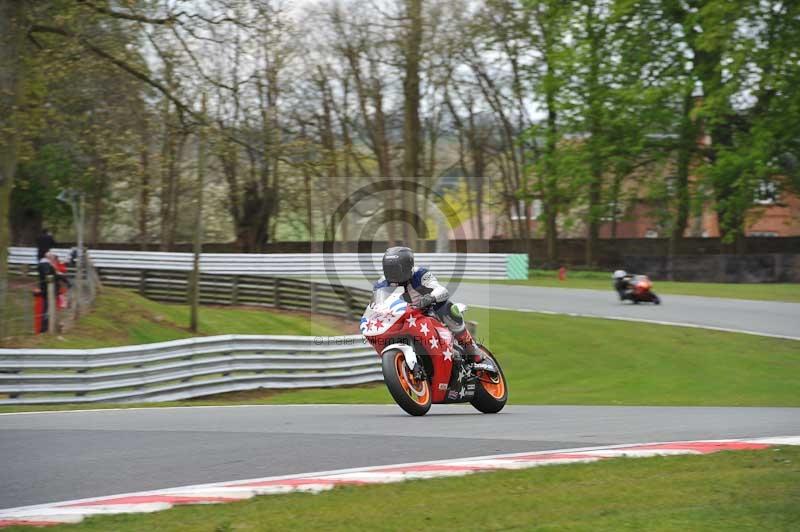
(423,283)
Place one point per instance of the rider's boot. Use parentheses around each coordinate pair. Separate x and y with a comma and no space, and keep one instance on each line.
(470,346)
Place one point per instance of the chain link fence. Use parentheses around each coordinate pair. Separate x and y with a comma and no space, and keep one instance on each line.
(19,315)
(36,305)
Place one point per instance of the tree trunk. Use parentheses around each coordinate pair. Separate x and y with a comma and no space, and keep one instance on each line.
(411,122)
(167,155)
(551,234)
(596,165)
(309,203)
(551,199)
(328,140)
(12,36)
(198,225)
(97,216)
(348,154)
(144,193)
(615,202)
(686,148)
(593,222)
(174,188)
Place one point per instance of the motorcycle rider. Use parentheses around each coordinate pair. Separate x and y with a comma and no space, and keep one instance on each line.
(622,284)
(424,291)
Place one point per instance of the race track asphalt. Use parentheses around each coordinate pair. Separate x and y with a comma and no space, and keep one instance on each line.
(57,456)
(763,317)
(68,455)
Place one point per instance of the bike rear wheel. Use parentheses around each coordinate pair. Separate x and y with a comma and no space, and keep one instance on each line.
(411,394)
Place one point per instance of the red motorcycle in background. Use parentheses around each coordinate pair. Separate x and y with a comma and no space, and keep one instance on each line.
(642,290)
(421,361)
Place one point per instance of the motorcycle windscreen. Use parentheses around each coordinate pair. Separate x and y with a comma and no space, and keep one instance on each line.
(380,296)
(385,309)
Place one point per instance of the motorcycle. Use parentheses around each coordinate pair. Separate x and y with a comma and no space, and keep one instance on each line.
(641,290)
(422,363)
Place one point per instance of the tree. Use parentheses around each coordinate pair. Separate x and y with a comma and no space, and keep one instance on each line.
(750,142)
(13,29)
(551,185)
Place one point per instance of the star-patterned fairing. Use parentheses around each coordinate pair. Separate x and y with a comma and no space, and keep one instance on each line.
(379,318)
(393,316)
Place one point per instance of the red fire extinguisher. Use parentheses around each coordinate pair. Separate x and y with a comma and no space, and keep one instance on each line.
(39,312)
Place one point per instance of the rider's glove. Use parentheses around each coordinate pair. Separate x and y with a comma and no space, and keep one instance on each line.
(426,301)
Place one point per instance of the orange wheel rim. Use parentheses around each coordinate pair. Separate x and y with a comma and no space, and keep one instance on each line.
(494,385)
(495,389)
(418,391)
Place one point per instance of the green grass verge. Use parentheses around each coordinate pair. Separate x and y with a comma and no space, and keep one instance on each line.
(566,360)
(740,490)
(122,317)
(594,280)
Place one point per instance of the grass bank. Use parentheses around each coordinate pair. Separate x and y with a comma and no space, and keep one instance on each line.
(741,490)
(565,360)
(122,317)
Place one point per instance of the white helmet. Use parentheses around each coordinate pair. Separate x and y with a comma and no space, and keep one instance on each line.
(619,274)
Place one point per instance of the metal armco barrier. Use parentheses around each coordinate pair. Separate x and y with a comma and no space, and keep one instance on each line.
(251,290)
(172,286)
(182,369)
(445,265)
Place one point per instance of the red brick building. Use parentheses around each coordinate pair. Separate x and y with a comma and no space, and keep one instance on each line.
(773,215)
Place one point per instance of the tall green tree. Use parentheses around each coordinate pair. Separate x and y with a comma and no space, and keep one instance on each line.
(12,36)
(752,107)
(551,185)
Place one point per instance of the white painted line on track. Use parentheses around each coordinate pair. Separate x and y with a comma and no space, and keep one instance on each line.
(156,407)
(229,491)
(642,320)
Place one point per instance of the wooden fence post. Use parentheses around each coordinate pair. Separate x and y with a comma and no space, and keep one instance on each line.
(235,290)
(314,297)
(94,275)
(189,279)
(349,302)
(143,283)
(277,293)
(52,306)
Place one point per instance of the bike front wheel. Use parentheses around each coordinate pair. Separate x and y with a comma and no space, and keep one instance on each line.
(411,394)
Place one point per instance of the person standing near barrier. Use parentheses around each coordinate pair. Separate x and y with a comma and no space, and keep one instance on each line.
(63,283)
(45,269)
(44,243)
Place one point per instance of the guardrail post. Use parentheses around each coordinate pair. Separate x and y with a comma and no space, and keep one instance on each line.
(235,290)
(143,283)
(314,297)
(189,280)
(349,301)
(94,275)
(277,293)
